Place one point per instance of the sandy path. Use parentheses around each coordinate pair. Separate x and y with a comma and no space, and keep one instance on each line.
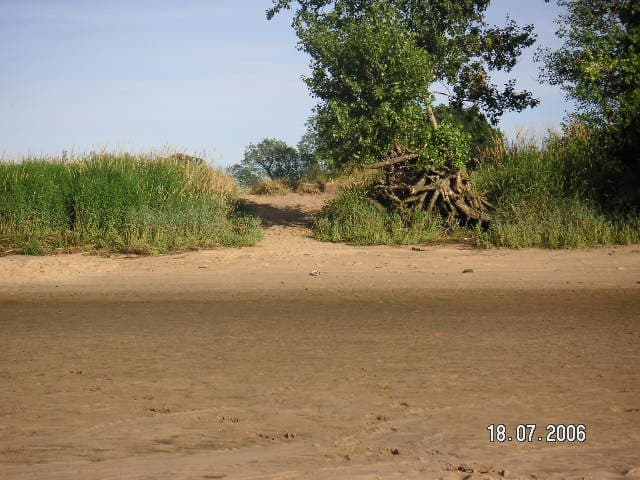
(238,364)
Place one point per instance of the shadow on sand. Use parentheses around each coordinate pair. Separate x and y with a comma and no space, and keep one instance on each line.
(281,216)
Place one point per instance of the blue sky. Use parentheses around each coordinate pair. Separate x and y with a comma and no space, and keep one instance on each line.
(203,76)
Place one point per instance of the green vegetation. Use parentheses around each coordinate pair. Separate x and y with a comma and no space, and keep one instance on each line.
(373,67)
(272,166)
(373,64)
(119,202)
(453,37)
(471,121)
(270,159)
(372,78)
(598,66)
(351,218)
(540,202)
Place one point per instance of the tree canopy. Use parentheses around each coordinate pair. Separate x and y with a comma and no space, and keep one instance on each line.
(598,66)
(373,83)
(453,35)
(374,63)
(269,158)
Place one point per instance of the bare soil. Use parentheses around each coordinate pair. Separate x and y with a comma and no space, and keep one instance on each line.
(237,363)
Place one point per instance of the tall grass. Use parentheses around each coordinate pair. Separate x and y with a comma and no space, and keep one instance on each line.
(542,199)
(120,202)
(352,219)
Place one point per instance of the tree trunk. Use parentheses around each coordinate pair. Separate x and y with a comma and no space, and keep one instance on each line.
(432,117)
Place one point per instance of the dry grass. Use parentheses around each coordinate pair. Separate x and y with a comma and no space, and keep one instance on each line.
(357,179)
(271,187)
(310,188)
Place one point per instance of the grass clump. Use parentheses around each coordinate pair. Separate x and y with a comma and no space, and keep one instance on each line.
(310,188)
(283,187)
(271,187)
(563,223)
(352,219)
(119,202)
(540,201)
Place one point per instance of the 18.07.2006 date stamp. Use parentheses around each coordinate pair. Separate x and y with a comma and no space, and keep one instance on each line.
(528,432)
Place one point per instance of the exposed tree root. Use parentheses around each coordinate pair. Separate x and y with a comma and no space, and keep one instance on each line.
(446,190)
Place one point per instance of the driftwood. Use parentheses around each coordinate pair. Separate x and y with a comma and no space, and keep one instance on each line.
(445,190)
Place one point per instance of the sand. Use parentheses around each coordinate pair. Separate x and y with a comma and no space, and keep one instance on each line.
(236,363)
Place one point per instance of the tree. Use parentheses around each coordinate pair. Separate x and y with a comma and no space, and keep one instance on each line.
(373,63)
(598,66)
(311,151)
(373,84)
(270,158)
(246,175)
(453,36)
(472,121)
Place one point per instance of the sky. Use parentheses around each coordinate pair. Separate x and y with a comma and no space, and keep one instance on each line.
(205,77)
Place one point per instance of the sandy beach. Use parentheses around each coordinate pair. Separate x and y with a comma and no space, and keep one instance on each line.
(391,363)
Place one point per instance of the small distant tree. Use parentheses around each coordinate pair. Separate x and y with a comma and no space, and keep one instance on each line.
(270,158)
(245,175)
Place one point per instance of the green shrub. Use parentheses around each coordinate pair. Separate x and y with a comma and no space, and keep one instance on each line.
(596,165)
(351,218)
(119,202)
(541,200)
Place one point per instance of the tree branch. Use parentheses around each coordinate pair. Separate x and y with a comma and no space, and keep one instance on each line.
(393,161)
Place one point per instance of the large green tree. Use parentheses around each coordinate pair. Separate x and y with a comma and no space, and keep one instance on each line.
(374,64)
(598,64)
(453,35)
(373,84)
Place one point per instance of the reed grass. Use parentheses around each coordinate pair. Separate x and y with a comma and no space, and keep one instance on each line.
(148,203)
